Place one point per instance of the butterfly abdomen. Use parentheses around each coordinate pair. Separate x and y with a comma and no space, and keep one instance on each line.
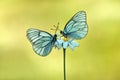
(54,39)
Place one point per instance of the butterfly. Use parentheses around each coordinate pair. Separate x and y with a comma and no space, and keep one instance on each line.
(76,27)
(42,41)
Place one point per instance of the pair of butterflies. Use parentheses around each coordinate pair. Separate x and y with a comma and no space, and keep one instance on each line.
(43,42)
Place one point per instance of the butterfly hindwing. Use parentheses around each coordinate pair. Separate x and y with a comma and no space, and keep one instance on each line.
(76,27)
(41,41)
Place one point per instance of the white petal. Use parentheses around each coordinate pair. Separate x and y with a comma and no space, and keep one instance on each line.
(59,43)
(73,44)
(65,44)
(70,40)
(76,44)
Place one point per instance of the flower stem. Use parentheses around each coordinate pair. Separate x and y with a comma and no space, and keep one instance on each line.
(64,62)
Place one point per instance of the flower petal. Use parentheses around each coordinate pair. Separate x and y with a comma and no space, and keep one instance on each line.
(59,43)
(65,44)
(76,44)
(73,44)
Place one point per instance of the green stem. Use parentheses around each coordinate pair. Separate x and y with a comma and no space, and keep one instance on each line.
(64,62)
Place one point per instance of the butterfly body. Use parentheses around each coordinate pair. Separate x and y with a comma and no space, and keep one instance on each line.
(54,39)
(64,34)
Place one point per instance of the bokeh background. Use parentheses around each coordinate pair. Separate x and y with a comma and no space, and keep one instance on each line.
(97,58)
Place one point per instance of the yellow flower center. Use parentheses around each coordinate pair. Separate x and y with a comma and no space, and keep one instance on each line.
(65,39)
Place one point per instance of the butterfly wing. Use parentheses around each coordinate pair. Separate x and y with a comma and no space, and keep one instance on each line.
(41,41)
(77,27)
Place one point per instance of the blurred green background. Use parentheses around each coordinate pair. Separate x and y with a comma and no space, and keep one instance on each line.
(97,58)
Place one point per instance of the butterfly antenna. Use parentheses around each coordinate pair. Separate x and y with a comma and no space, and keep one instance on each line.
(54,26)
(57,27)
(52,29)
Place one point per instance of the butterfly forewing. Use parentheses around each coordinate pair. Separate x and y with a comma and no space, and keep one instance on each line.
(41,41)
(77,26)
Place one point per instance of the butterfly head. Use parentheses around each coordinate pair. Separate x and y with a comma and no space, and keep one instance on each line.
(63,34)
(55,35)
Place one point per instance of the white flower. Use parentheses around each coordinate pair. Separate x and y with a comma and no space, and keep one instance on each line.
(66,43)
